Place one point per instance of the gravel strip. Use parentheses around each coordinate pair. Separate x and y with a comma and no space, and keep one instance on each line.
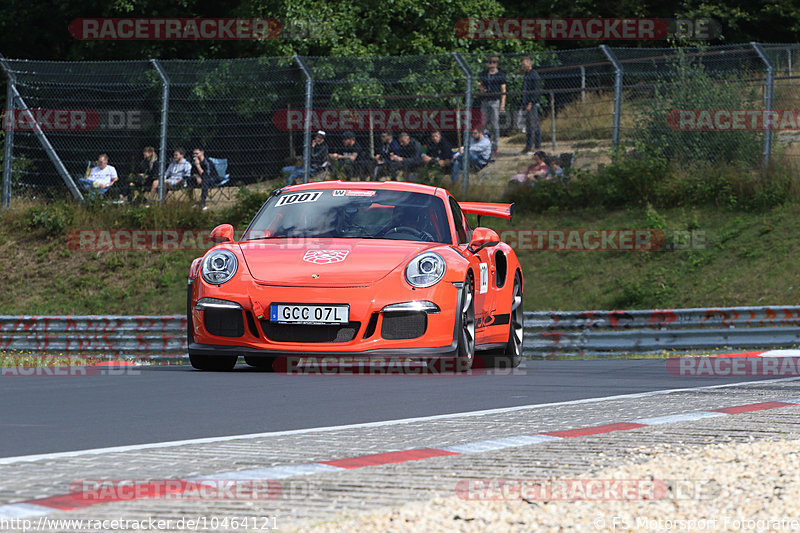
(751,486)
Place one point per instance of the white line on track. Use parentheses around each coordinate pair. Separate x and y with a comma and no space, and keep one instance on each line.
(382,423)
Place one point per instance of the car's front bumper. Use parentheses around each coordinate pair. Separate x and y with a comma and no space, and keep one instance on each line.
(258,338)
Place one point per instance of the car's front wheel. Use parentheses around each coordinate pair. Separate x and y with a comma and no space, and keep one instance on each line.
(465,326)
(217,363)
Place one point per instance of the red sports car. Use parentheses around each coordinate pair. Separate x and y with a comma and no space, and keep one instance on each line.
(358,269)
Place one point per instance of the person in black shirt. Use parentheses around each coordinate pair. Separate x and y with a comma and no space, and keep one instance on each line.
(531,90)
(407,158)
(203,174)
(318,160)
(145,174)
(389,146)
(492,84)
(352,157)
(440,151)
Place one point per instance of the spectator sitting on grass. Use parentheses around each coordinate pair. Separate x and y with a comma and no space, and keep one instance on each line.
(203,174)
(318,160)
(389,146)
(352,157)
(177,173)
(440,151)
(538,170)
(101,177)
(145,175)
(480,151)
(408,156)
(555,169)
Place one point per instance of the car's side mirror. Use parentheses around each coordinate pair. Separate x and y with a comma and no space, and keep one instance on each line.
(222,233)
(483,238)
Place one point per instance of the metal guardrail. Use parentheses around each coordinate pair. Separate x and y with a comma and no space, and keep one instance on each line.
(151,337)
(612,332)
(547,333)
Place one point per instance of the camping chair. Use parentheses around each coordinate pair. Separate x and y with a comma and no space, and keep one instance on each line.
(221,189)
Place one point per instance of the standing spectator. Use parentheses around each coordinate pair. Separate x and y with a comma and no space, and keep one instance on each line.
(492,83)
(408,156)
(145,175)
(440,151)
(531,92)
(352,157)
(203,174)
(389,147)
(480,151)
(319,160)
(101,177)
(178,172)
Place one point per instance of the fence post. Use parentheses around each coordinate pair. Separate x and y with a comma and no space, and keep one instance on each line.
(789,61)
(583,86)
(768,92)
(465,159)
(617,92)
(43,140)
(553,119)
(8,151)
(307,122)
(162,156)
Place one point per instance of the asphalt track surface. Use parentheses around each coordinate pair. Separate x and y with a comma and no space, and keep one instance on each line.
(45,414)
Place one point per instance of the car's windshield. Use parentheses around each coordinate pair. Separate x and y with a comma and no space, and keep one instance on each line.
(352,214)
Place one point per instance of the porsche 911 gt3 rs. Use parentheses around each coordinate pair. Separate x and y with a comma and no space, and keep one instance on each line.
(358,269)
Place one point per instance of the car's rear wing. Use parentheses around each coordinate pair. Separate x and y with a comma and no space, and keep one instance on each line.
(489,210)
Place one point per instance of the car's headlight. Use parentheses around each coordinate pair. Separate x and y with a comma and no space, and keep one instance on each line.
(219,266)
(425,270)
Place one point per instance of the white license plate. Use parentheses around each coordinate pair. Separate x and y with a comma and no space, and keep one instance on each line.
(309,314)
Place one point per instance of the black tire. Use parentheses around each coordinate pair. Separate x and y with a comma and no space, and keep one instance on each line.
(510,356)
(264,363)
(216,363)
(465,326)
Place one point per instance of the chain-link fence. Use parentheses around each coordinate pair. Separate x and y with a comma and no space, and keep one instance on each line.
(732,103)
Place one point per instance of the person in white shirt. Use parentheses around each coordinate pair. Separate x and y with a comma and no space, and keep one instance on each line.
(101,177)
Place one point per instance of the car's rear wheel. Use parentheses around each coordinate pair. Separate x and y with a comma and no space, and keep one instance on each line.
(465,326)
(217,363)
(264,363)
(510,355)
(517,329)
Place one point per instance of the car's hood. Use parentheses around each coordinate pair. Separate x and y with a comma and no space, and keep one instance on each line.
(326,262)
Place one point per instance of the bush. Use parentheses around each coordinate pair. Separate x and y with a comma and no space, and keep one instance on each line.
(247,205)
(636,181)
(687,85)
(630,181)
(51,219)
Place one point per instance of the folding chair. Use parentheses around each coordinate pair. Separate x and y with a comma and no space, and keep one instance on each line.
(221,189)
